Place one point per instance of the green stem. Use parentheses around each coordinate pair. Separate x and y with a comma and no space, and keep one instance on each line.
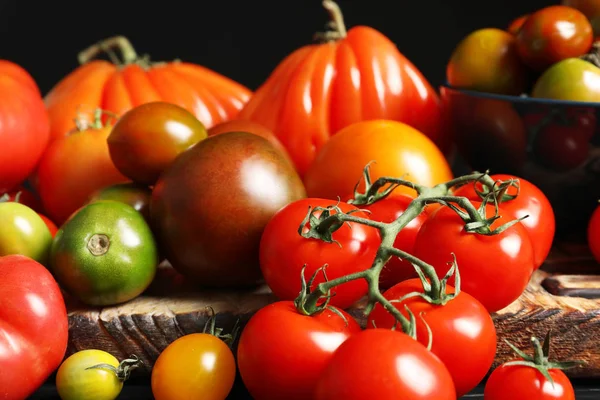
(128,53)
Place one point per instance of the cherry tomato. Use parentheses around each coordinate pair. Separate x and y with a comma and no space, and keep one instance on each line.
(553,34)
(195,366)
(384,364)
(593,234)
(572,79)
(147,138)
(561,147)
(283,252)
(495,269)
(516,24)
(463,333)
(531,201)
(591,8)
(280,364)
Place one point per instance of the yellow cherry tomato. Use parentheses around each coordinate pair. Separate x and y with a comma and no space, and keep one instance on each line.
(195,366)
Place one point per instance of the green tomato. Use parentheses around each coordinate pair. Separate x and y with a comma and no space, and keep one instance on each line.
(104,254)
(571,79)
(137,196)
(23,231)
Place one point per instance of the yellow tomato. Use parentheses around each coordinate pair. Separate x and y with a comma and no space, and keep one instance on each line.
(195,366)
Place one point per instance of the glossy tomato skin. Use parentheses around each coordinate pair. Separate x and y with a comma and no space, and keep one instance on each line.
(72,169)
(26,197)
(270,363)
(553,34)
(591,9)
(463,332)
(494,269)
(147,138)
(230,185)
(283,252)
(395,357)
(50,224)
(593,234)
(24,125)
(33,326)
(24,232)
(180,371)
(135,195)
(396,149)
(571,79)
(390,87)
(525,383)
(540,223)
(74,381)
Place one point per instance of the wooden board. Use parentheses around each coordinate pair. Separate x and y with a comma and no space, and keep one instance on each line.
(564,297)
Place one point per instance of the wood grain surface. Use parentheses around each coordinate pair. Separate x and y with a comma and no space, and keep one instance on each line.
(564,297)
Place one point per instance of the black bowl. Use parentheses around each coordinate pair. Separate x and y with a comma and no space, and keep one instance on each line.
(553,144)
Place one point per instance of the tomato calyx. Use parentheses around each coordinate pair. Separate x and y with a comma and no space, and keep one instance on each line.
(210,328)
(123,371)
(336,28)
(540,360)
(593,56)
(5,198)
(83,123)
(108,47)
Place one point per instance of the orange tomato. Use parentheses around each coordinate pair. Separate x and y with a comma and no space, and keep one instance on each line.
(516,24)
(397,149)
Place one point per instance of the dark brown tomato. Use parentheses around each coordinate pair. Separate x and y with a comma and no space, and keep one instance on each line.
(137,196)
(147,139)
(212,204)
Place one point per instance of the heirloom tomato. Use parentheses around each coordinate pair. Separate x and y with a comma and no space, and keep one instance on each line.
(33,326)
(354,75)
(120,85)
(463,334)
(553,34)
(284,252)
(495,269)
(281,353)
(593,234)
(571,79)
(530,201)
(24,125)
(397,150)
(384,364)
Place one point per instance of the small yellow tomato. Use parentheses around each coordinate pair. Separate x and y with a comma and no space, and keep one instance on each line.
(195,366)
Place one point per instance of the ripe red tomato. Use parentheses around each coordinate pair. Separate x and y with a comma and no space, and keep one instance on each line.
(561,147)
(384,364)
(51,225)
(541,221)
(24,125)
(495,269)
(278,365)
(593,234)
(283,252)
(516,24)
(25,197)
(552,34)
(463,333)
(33,326)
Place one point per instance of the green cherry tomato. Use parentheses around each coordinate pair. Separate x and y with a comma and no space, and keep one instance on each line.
(23,231)
(571,79)
(137,196)
(104,254)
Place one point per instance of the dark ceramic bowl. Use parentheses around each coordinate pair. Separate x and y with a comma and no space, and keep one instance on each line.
(553,144)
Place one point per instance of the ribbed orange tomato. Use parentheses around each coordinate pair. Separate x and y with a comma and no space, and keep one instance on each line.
(398,151)
(119,86)
(353,76)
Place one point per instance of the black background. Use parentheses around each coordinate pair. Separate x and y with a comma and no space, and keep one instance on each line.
(244,40)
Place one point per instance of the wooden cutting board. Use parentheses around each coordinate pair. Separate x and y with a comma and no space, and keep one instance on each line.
(564,297)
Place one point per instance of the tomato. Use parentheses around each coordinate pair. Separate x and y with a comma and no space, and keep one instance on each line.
(561,147)
(24,232)
(571,79)
(486,60)
(51,225)
(524,383)
(462,331)
(104,254)
(516,24)
(584,118)
(397,149)
(33,326)
(591,9)
(135,195)
(194,366)
(24,125)
(398,366)
(284,253)
(540,223)
(147,138)
(495,269)
(593,233)
(25,197)
(86,375)
(243,182)
(553,34)
(72,169)
(278,365)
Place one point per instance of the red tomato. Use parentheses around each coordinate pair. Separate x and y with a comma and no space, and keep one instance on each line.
(552,34)
(495,269)
(33,326)
(593,234)
(463,333)
(561,147)
(24,125)
(516,24)
(283,252)
(51,225)
(540,223)
(384,364)
(584,119)
(276,364)
(527,383)
(25,197)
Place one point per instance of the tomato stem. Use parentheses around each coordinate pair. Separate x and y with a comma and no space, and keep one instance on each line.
(123,371)
(336,26)
(128,53)
(593,56)
(210,327)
